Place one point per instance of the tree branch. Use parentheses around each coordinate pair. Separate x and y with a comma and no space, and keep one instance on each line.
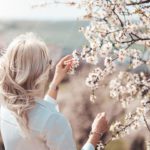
(138,3)
(146,123)
(135,40)
(121,22)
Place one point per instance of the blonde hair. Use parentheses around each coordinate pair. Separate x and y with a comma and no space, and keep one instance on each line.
(24,72)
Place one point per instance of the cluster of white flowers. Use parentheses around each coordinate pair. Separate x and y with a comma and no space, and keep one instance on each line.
(90,55)
(124,87)
(118,29)
(105,50)
(93,78)
(74,62)
(98,75)
(92,81)
(115,35)
(113,32)
(132,121)
(128,87)
(100,146)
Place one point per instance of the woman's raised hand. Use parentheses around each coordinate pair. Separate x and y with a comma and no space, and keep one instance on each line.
(62,68)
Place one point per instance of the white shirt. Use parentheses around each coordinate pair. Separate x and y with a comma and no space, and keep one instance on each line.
(50,130)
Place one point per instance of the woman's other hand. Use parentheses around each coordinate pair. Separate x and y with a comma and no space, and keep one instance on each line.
(100,124)
(99,127)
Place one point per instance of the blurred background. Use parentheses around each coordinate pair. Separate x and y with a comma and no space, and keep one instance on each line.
(58,26)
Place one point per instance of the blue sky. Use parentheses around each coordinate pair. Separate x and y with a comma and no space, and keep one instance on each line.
(21,9)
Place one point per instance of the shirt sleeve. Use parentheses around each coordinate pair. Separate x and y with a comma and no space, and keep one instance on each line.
(52,101)
(88,146)
(58,132)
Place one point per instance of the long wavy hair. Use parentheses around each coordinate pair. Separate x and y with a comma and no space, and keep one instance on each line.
(24,74)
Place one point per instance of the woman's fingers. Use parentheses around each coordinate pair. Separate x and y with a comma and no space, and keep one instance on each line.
(67,67)
(101,115)
(68,61)
(65,59)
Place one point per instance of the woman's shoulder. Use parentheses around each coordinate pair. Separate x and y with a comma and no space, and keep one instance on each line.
(46,112)
(48,104)
(57,124)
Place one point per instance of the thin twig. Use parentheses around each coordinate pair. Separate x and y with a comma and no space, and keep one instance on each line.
(121,22)
(146,123)
(138,3)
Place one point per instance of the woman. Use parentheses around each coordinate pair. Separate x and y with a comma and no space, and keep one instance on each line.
(30,117)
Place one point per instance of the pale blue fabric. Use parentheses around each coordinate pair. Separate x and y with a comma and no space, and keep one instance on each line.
(50,130)
(88,146)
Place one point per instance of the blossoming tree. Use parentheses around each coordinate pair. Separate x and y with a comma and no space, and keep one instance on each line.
(119,32)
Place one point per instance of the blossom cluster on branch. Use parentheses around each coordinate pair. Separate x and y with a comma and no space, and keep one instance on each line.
(119,31)
(128,88)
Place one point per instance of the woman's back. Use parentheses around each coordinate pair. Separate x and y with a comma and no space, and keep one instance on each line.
(43,119)
(24,77)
